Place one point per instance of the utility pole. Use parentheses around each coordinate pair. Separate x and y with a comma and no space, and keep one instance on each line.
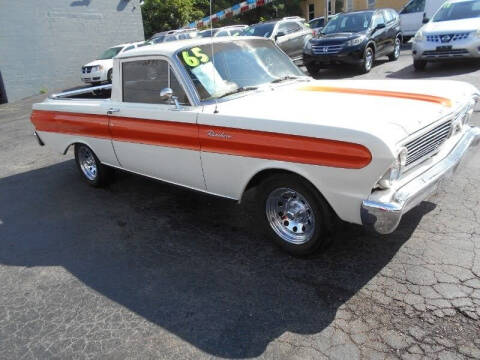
(326,13)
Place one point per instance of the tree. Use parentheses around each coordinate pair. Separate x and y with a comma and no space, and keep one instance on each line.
(163,15)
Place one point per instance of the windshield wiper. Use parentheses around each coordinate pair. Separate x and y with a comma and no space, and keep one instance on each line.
(284,78)
(239,90)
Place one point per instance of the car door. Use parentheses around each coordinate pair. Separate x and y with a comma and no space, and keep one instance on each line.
(379,34)
(299,34)
(411,16)
(283,39)
(390,30)
(150,135)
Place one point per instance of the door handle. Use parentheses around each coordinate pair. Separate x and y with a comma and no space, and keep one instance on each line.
(112,110)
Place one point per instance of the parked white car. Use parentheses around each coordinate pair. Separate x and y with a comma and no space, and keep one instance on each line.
(453,33)
(413,14)
(318,23)
(232,30)
(224,115)
(100,70)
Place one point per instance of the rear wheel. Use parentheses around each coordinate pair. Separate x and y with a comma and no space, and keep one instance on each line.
(406,39)
(396,50)
(368,58)
(295,214)
(92,170)
(419,64)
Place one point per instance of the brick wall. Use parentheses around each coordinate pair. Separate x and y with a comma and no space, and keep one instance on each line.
(43,44)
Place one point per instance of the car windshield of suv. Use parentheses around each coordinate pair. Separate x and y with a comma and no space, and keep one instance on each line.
(348,23)
(316,23)
(263,30)
(207,33)
(235,66)
(110,53)
(458,10)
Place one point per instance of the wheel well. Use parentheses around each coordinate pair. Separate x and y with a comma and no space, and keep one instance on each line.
(73,144)
(263,175)
(372,46)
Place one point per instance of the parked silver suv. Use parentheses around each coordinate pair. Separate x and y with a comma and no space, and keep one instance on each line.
(452,33)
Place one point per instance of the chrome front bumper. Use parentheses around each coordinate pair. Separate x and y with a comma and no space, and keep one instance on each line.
(385,217)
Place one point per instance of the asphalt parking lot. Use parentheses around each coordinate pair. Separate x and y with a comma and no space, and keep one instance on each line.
(145,270)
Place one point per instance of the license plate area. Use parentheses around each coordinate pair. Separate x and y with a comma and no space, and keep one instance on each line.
(444,48)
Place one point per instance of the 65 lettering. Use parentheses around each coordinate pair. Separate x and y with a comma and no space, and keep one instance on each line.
(194,57)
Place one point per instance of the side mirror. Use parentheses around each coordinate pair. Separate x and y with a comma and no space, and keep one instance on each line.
(380,26)
(425,20)
(167,95)
(279,34)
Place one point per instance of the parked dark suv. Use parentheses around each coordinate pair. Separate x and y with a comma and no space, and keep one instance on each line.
(290,34)
(355,38)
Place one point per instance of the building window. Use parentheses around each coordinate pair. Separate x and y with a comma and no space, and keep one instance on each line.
(371,4)
(311,11)
(349,6)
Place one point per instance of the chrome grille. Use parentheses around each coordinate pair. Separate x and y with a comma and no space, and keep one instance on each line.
(444,38)
(87,69)
(326,50)
(428,143)
(446,53)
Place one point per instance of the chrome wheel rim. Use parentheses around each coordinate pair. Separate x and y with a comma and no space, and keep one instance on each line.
(368,59)
(87,163)
(290,216)
(397,48)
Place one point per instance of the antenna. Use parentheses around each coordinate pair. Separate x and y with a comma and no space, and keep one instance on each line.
(213,57)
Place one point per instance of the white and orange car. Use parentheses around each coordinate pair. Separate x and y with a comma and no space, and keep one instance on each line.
(224,115)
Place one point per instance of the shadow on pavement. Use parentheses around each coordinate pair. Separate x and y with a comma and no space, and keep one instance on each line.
(192,264)
(443,69)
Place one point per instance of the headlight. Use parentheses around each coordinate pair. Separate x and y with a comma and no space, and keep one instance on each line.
(356,41)
(97,68)
(394,172)
(308,45)
(419,36)
(476,105)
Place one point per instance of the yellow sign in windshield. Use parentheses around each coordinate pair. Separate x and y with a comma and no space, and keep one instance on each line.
(194,57)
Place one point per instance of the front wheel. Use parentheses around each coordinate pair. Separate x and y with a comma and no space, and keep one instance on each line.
(296,215)
(312,68)
(419,64)
(109,76)
(91,169)
(396,50)
(368,58)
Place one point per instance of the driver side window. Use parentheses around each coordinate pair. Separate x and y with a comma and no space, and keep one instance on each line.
(414,6)
(379,19)
(142,81)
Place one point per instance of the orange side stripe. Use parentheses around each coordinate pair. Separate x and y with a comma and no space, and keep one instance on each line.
(395,94)
(284,147)
(222,140)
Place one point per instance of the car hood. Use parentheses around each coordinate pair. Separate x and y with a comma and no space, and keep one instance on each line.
(375,107)
(337,36)
(456,26)
(108,63)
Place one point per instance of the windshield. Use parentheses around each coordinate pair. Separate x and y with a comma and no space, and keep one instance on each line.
(235,66)
(316,23)
(110,53)
(263,30)
(158,39)
(207,33)
(458,10)
(354,22)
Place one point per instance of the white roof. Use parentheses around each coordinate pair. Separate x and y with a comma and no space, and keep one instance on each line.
(171,47)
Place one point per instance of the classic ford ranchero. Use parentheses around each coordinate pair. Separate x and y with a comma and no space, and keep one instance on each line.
(225,115)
